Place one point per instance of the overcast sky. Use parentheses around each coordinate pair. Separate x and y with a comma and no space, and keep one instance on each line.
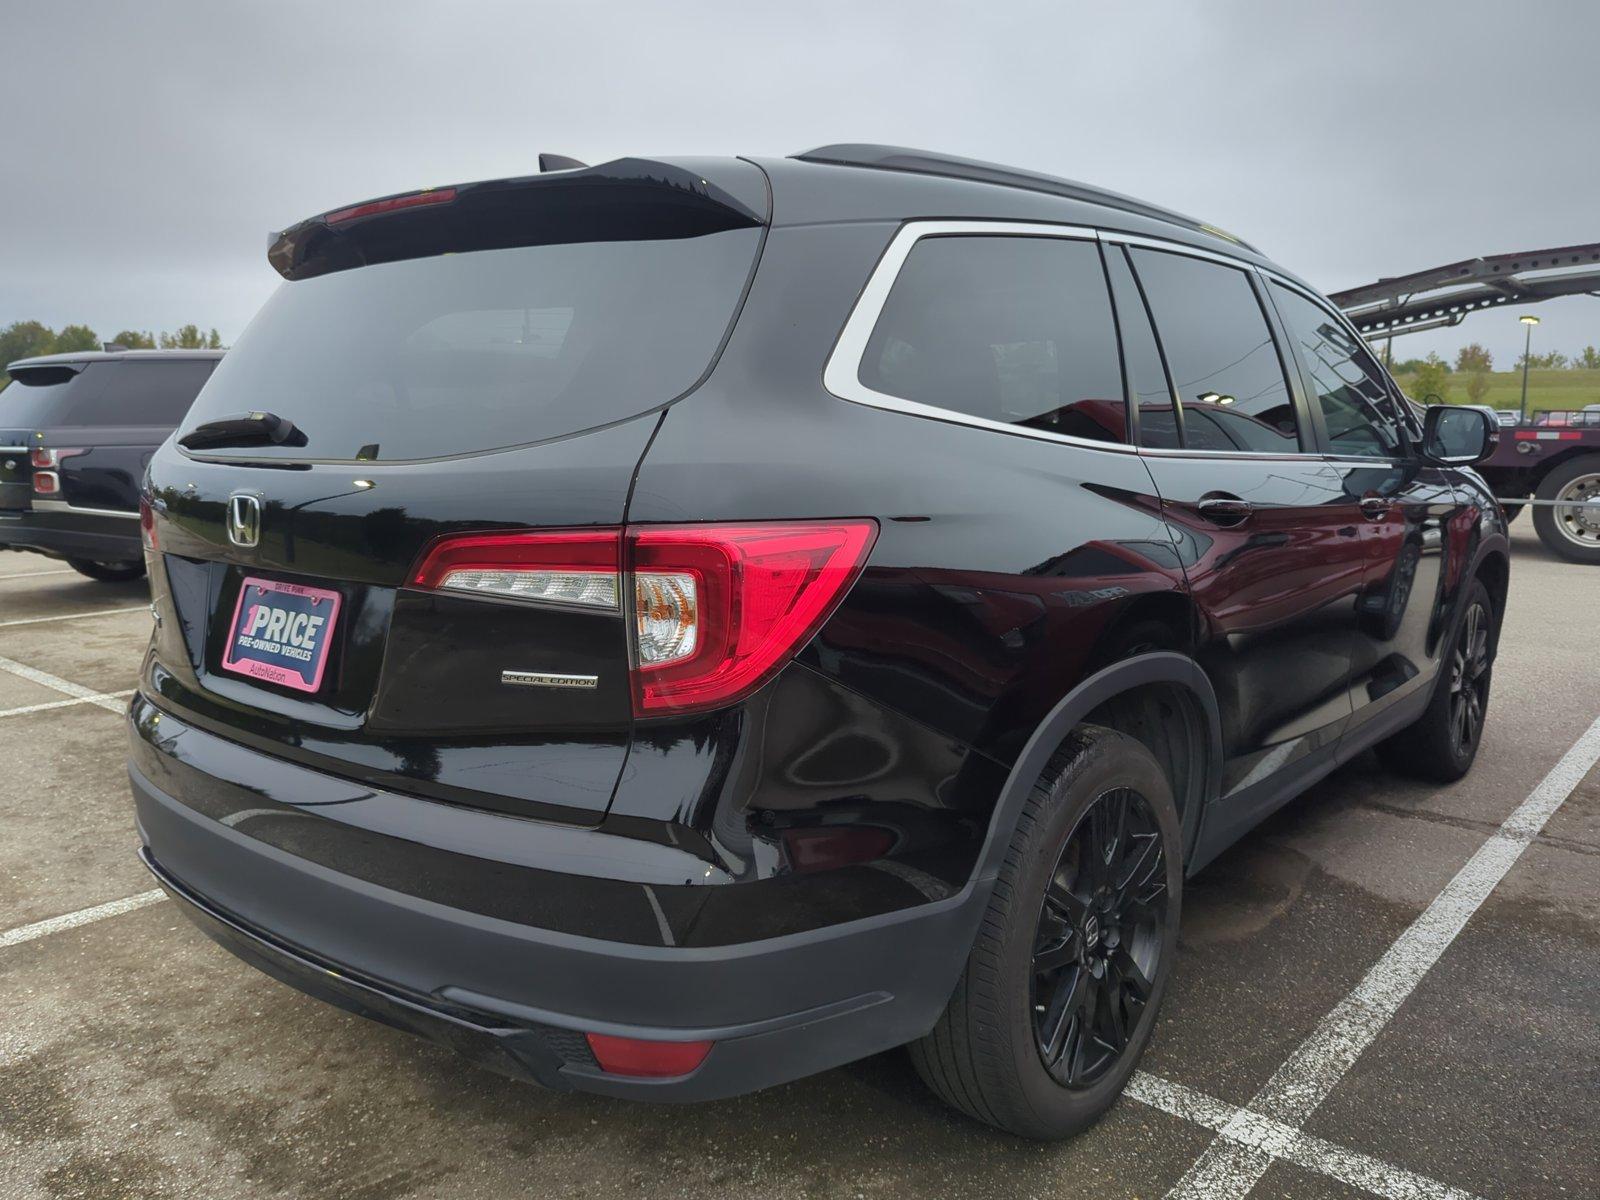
(149,147)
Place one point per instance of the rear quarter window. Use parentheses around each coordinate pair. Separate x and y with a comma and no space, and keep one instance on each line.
(1016,330)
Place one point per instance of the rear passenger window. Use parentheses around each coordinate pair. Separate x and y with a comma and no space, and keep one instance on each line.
(1345,379)
(1147,377)
(1219,348)
(1010,329)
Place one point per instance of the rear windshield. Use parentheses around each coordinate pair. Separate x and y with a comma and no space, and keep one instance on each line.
(458,353)
(103,394)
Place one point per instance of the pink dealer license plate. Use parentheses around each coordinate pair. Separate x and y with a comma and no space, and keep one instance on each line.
(281,633)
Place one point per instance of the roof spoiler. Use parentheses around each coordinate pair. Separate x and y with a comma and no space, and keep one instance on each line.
(44,370)
(647,198)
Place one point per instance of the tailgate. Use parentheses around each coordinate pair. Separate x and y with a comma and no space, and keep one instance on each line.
(409,690)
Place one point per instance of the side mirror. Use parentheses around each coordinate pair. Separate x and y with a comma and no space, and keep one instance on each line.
(1459,435)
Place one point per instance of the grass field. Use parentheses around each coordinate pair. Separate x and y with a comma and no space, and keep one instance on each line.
(1546,389)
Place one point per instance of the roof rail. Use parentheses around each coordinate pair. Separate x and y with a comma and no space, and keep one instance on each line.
(949,166)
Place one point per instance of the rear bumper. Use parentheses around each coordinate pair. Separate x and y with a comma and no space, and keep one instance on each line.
(66,534)
(517,998)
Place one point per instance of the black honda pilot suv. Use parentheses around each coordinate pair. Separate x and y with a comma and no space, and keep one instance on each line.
(670,627)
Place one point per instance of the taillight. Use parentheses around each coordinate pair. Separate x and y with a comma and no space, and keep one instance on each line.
(48,460)
(578,566)
(717,609)
(646,1059)
(375,208)
(46,483)
(147,524)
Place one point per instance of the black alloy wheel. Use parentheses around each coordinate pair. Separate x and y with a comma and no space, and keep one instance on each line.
(1100,935)
(1442,743)
(1469,678)
(1065,978)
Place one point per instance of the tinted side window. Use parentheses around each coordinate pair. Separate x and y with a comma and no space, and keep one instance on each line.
(1345,379)
(1219,347)
(1141,357)
(1011,329)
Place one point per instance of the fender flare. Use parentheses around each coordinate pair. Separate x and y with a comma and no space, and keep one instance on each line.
(1162,666)
(1495,543)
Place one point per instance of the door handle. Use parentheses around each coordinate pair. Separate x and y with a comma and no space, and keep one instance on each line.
(1225,510)
(1375,508)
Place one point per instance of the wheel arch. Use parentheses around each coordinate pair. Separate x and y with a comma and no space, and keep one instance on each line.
(1494,568)
(1176,674)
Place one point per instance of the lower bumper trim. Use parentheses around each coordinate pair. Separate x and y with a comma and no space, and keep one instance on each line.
(527,1052)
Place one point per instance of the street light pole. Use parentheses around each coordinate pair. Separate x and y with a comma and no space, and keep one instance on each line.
(1527,350)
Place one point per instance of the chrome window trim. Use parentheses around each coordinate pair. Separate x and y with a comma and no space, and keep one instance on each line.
(1154,243)
(62,506)
(841,375)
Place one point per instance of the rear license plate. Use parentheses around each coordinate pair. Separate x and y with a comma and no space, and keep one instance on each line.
(281,632)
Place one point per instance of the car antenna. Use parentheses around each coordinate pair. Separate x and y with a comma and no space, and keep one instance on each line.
(559,162)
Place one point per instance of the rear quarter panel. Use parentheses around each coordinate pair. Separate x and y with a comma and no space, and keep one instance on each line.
(1006,570)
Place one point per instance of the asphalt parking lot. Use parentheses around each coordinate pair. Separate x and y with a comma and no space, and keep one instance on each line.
(1389,989)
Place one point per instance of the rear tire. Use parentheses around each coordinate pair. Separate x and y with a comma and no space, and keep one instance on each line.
(1442,744)
(1071,962)
(1572,534)
(107,572)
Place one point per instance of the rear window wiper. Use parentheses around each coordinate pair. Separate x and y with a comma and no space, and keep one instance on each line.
(246,429)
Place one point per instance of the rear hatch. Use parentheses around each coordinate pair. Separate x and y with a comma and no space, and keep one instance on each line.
(494,360)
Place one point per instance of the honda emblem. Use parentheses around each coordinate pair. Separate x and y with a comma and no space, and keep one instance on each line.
(244,520)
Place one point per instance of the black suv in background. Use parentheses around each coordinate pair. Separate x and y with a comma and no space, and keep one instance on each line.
(670,627)
(76,432)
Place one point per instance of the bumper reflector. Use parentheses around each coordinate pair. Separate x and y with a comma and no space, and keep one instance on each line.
(642,1059)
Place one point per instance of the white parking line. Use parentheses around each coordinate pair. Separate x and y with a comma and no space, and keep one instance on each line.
(1239,1125)
(1233,1164)
(92,698)
(1278,1140)
(104,612)
(84,916)
(36,574)
(65,686)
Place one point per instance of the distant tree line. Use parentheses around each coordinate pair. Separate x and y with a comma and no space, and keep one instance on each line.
(1474,357)
(25,339)
(1432,375)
